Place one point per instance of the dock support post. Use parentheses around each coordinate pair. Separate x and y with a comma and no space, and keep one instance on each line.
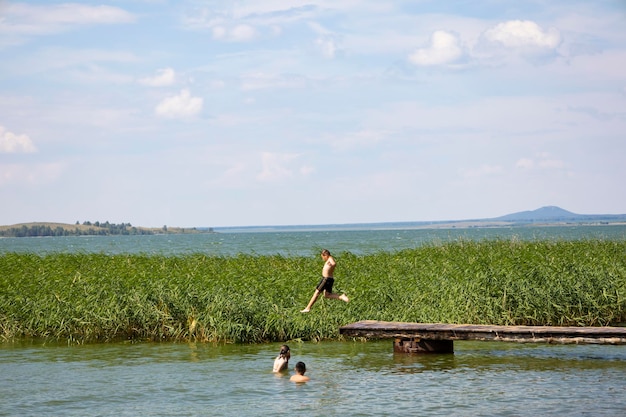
(417,345)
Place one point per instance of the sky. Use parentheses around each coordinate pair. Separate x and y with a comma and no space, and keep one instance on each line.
(301,112)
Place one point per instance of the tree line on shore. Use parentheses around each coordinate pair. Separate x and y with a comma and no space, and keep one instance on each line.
(87,229)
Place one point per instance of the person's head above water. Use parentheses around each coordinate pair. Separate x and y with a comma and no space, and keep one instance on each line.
(300,368)
(284,351)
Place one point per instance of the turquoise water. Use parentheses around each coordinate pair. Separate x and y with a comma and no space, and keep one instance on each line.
(296,243)
(347,379)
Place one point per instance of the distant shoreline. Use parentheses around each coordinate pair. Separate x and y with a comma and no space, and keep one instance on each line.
(91,230)
(408,226)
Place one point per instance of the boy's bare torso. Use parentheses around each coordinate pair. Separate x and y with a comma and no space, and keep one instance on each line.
(329,267)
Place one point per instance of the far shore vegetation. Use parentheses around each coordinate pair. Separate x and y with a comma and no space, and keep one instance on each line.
(88,228)
(82,298)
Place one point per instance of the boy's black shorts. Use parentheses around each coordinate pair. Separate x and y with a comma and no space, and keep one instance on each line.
(326,284)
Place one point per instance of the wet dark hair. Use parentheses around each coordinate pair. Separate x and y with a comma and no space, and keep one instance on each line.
(300,368)
(284,350)
(325,252)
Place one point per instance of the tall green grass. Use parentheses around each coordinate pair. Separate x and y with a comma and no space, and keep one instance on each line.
(98,297)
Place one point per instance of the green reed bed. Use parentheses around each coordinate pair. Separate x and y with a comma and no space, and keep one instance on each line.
(97,297)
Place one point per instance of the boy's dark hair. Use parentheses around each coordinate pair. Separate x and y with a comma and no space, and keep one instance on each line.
(326,252)
(300,368)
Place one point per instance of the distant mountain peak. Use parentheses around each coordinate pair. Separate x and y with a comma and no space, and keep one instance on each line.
(546,213)
(553,210)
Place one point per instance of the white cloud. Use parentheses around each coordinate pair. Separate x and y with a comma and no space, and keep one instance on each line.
(542,160)
(56,61)
(320,29)
(266,14)
(525,163)
(326,41)
(25,19)
(260,81)
(12,143)
(163,77)
(307,170)
(327,46)
(238,33)
(280,166)
(219,32)
(242,33)
(523,34)
(182,105)
(444,48)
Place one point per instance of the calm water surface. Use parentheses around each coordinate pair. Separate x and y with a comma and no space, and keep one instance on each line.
(347,378)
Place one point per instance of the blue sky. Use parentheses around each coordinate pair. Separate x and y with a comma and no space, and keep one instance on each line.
(234,113)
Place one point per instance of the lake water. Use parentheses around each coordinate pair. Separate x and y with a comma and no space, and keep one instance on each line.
(349,378)
(296,243)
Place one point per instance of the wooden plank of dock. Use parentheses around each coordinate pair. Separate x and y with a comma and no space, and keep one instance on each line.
(521,334)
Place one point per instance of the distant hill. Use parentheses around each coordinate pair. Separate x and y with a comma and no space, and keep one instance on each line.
(549,215)
(552,214)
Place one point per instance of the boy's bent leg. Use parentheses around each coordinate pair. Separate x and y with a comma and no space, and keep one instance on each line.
(334,296)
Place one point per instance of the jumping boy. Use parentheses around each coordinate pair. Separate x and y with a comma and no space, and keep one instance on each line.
(326,283)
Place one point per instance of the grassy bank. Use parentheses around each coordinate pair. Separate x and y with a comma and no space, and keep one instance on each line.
(96,297)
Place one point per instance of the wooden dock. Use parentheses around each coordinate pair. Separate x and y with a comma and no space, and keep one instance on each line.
(438,338)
